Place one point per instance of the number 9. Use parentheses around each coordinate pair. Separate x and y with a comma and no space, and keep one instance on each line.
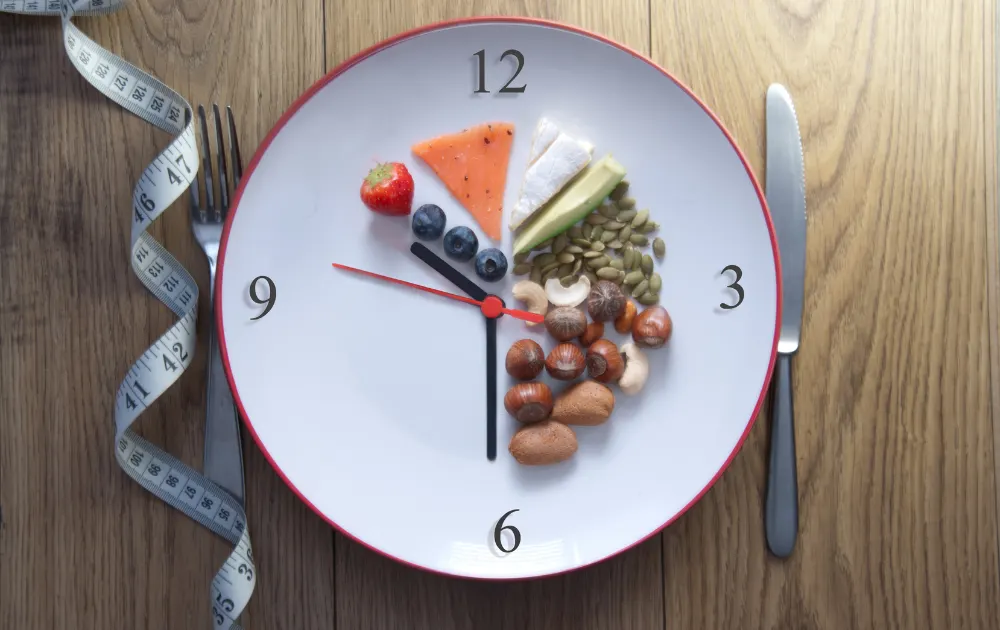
(272,293)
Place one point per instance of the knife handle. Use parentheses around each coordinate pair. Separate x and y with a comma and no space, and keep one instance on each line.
(781,508)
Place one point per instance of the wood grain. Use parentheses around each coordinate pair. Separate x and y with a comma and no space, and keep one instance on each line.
(897,379)
(81,544)
(373,592)
(898,525)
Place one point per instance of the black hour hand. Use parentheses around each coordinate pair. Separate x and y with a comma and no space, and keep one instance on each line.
(453,275)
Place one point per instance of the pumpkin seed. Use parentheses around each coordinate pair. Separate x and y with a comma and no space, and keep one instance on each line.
(607,273)
(640,289)
(547,268)
(607,237)
(536,275)
(608,210)
(543,245)
(659,247)
(619,190)
(596,219)
(559,243)
(565,257)
(576,266)
(640,218)
(520,258)
(639,239)
(597,263)
(567,280)
(626,215)
(591,276)
(655,283)
(522,268)
(626,202)
(636,260)
(633,277)
(552,273)
(596,233)
(573,249)
(543,260)
(614,225)
(621,278)
(624,233)
(615,244)
(647,228)
(587,230)
(627,256)
(648,298)
(565,269)
(575,232)
(593,254)
(597,246)
(582,242)
(647,264)
(617,264)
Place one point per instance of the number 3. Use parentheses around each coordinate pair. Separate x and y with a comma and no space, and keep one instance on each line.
(735,286)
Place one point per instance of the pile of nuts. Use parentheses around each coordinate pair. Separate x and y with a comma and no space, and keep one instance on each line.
(606,245)
(582,350)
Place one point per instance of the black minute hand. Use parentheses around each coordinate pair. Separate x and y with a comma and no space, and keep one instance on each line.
(439,265)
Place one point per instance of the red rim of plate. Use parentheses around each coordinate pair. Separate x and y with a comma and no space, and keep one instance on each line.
(364,54)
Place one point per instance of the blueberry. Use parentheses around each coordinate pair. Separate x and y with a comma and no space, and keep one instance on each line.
(491,264)
(460,243)
(428,222)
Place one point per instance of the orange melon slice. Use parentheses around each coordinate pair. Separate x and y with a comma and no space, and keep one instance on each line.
(472,164)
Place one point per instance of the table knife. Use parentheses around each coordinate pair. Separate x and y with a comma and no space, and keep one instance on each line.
(786,198)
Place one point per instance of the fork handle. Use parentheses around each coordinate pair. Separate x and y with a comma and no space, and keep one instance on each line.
(223,447)
(781,508)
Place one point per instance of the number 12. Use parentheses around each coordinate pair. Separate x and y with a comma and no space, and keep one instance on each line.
(482,71)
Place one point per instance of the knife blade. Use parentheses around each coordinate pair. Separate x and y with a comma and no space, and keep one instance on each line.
(786,197)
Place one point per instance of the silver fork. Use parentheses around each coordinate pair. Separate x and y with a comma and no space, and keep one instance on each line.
(223,457)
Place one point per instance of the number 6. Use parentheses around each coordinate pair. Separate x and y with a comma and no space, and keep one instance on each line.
(513,530)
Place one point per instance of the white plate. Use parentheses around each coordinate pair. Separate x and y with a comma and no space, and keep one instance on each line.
(368,398)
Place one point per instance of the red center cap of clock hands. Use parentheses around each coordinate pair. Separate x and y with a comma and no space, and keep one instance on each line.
(492,306)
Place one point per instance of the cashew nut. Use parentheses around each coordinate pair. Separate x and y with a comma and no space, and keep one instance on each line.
(533,295)
(636,369)
(572,295)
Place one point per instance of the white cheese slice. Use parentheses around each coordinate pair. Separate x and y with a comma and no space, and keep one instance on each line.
(560,162)
(545,134)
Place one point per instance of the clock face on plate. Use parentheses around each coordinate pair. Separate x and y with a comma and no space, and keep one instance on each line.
(381,354)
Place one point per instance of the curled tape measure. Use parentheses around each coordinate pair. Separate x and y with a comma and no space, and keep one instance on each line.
(163,181)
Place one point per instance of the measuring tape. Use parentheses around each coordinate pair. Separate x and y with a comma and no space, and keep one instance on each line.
(162,182)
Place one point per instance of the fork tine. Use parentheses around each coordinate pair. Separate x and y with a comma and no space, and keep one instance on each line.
(206,163)
(234,149)
(223,174)
(193,188)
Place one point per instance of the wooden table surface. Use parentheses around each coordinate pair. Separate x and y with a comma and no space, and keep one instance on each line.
(898,378)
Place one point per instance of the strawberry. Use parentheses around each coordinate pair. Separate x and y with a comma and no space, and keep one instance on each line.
(388,189)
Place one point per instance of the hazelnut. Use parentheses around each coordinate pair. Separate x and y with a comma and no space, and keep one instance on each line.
(565,362)
(604,363)
(652,327)
(606,301)
(565,322)
(595,330)
(525,359)
(623,323)
(528,402)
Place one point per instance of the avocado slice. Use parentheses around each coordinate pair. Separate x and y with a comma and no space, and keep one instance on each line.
(572,203)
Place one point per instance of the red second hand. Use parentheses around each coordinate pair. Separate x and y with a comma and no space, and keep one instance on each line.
(491,306)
